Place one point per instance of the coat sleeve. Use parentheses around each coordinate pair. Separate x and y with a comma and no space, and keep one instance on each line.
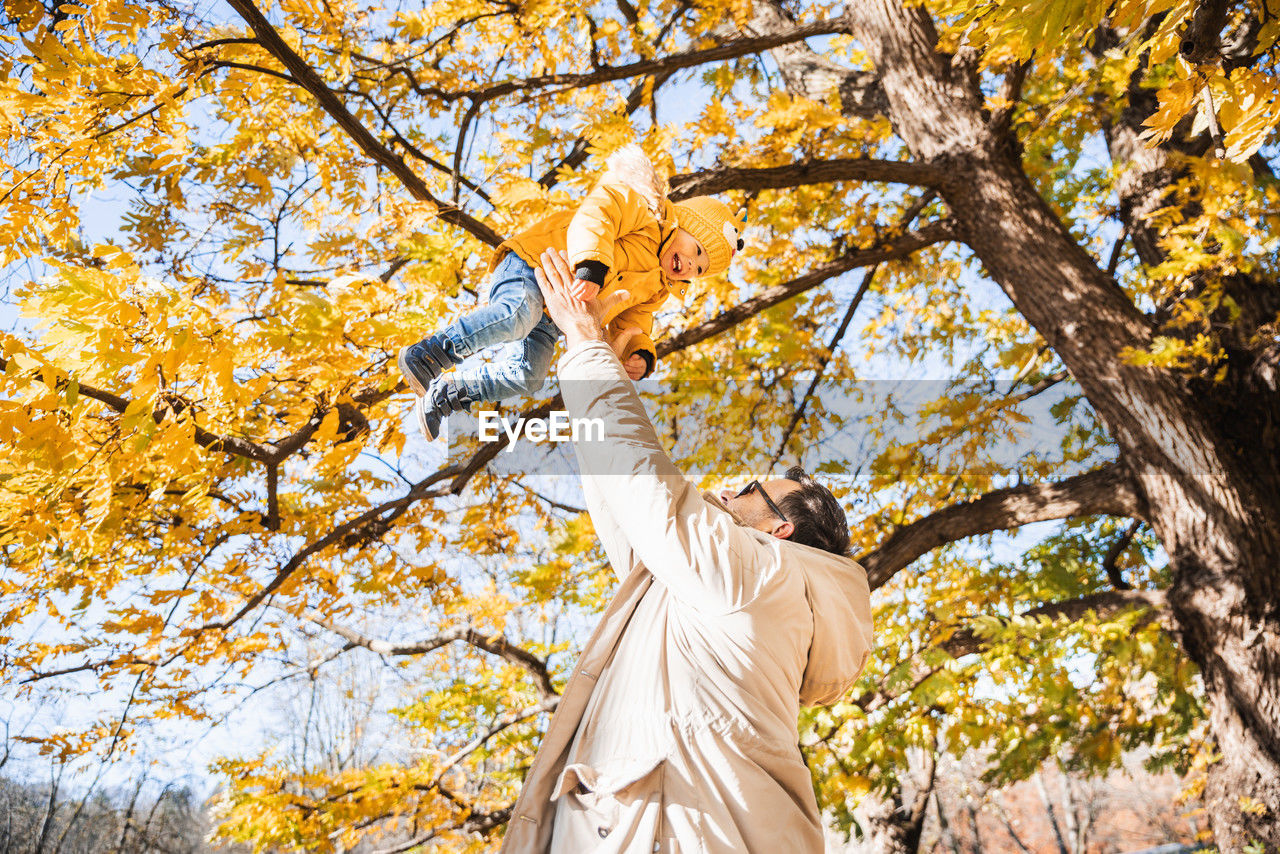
(608,212)
(641,317)
(621,556)
(696,549)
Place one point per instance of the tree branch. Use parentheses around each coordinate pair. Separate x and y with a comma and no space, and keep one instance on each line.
(804,172)
(726,50)
(1201,41)
(806,73)
(492,644)
(475,822)
(822,363)
(377,520)
(1105,604)
(373,522)
(908,216)
(256,69)
(578,152)
(966,641)
(892,249)
(548,704)
(1010,94)
(204,438)
(309,80)
(1105,491)
(1109,563)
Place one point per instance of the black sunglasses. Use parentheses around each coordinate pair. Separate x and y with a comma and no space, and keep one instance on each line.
(755,484)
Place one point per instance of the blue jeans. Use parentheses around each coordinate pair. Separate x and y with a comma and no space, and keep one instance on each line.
(512,316)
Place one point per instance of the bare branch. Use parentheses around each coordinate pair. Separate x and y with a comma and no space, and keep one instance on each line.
(822,363)
(1045,383)
(804,172)
(1105,491)
(492,644)
(1113,556)
(257,69)
(908,216)
(506,721)
(413,150)
(730,49)
(94,666)
(567,508)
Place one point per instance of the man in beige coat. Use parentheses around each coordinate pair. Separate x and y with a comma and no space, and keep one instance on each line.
(677,729)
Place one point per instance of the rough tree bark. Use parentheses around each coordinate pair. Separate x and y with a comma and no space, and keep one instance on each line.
(1201,456)
(895,823)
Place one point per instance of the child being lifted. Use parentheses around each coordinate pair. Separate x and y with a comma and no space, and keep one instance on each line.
(625,237)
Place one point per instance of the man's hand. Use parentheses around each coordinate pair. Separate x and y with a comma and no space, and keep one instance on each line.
(578,319)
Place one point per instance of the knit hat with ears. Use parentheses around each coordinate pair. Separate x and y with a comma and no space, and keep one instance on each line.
(714,226)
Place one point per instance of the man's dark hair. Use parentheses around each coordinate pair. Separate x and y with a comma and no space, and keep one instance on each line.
(815,514)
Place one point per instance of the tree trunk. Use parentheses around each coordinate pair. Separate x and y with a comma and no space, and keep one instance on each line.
(1052,813)
(944,826)
(894,826)
(1203,457)
(889,829)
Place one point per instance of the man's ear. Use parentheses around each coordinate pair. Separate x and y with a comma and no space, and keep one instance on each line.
(783,530)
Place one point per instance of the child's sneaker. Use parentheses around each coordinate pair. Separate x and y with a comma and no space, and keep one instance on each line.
(434,407)
(429,418)
(422,362)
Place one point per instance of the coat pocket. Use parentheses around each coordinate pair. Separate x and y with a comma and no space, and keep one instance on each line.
(610,807)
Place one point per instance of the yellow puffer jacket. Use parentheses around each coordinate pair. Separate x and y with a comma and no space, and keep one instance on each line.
(615,227)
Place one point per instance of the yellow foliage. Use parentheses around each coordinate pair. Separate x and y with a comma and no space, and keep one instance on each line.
(208,463)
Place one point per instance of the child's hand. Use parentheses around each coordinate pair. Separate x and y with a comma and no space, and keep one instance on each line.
(584,290)
(636,366)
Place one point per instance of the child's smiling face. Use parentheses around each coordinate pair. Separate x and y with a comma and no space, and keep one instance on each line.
(683,258)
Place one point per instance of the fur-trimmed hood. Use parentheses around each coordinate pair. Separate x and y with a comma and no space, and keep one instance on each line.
(631,167)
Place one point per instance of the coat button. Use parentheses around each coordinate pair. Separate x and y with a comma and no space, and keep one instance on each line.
(603,831)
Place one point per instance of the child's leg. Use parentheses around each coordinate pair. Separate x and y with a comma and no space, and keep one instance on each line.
(512,309)
(519,369)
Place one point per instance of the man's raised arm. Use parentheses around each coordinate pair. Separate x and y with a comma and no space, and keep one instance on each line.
(679,537)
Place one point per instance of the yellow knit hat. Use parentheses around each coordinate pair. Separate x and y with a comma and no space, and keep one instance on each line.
(714,226)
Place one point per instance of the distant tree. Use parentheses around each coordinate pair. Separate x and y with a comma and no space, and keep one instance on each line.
(49,819)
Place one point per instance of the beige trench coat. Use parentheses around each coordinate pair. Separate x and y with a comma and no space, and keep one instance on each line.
(716,636)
